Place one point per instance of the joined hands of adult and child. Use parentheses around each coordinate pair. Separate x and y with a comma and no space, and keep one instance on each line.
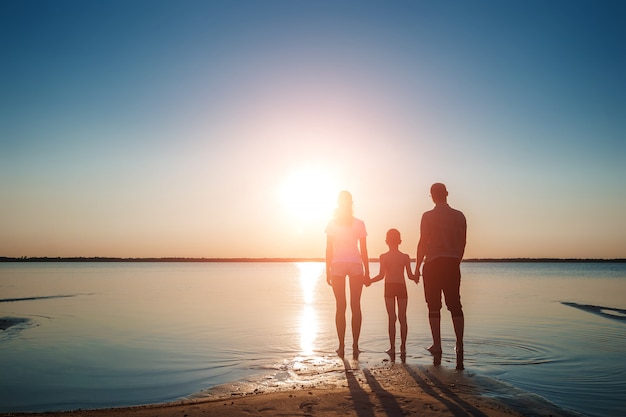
(367,281)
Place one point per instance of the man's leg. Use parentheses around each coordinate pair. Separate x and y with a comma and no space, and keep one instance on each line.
(432,294)
(452,293)
(434,319)
(459,328)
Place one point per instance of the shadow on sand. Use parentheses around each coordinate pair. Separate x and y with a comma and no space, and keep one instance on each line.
(442,393)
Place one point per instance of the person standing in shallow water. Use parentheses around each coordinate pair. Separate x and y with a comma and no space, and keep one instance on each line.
(443,232)
(346,255)
(393,265)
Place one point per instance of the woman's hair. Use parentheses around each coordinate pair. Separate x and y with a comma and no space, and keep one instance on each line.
(343,212)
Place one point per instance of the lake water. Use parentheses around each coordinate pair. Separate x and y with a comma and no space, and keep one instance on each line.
(98,335)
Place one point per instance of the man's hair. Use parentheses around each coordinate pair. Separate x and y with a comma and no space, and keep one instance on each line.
(438,191)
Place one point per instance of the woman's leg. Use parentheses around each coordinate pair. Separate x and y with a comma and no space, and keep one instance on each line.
(339,289)
(356,287)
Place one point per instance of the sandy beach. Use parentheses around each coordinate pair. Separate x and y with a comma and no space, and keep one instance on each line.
(387,390)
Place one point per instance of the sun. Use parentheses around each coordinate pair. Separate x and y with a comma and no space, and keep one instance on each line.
(309,196)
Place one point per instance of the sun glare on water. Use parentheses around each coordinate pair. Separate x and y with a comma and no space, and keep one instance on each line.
(309,197)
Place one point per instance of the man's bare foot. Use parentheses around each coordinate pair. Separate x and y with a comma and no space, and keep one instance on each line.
(435,350)
(459,356)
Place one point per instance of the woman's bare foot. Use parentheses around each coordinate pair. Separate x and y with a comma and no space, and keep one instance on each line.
(435,350)
(355,351)
(340,352)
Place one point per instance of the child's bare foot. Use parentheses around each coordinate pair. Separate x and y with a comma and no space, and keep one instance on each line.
(403,349)
(391,351)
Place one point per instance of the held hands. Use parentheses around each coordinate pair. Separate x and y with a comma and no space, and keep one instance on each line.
(367,280)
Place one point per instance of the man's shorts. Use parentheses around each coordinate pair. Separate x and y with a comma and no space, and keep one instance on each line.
(443,275)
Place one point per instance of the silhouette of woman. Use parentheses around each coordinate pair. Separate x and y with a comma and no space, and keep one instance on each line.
(346,255)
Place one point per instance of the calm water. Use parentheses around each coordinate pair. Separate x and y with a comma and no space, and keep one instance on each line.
(111,334)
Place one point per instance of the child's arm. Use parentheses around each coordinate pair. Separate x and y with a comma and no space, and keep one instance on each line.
(377,278)
(409,273)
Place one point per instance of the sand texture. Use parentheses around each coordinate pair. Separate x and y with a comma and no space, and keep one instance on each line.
(387,390)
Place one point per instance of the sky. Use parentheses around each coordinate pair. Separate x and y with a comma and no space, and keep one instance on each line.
(227,128)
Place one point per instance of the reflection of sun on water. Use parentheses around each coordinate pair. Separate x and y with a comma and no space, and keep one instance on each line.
(310,273)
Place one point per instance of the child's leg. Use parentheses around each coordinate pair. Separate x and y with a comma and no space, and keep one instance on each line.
(390,304)
(402,305)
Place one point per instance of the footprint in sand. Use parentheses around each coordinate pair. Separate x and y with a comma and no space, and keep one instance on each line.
(307,406)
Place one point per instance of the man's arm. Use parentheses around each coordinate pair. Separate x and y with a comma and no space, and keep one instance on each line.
(421,248)
(463,236)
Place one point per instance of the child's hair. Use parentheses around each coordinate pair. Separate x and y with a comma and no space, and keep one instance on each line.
(393,237)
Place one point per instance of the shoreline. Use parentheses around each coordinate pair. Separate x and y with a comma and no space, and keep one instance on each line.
(389,389)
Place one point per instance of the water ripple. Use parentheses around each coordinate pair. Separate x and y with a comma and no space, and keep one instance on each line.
(509,352)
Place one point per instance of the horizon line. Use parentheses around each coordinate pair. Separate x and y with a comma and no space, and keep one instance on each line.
(271,259)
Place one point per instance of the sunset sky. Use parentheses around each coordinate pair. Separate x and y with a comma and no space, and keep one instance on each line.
(227,128)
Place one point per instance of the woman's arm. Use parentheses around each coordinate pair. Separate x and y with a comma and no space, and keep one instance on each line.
(382,272)
(364,257)
(329,257)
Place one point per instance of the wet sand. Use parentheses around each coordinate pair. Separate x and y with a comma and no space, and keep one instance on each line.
(391,389)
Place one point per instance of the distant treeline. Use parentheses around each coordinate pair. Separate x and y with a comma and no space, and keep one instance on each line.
(108,259)
(547,260)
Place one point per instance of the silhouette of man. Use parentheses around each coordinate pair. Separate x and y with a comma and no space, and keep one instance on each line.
(441,247)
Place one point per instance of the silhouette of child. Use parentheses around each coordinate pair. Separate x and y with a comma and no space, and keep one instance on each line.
(393,264)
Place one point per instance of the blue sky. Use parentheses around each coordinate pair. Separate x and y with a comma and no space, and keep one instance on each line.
(162,128)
